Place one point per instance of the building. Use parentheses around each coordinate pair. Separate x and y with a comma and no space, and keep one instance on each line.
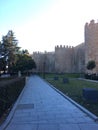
(64,59)
(44,61)
(69,59)
(91,43)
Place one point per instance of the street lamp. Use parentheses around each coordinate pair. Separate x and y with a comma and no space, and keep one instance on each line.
(44,64)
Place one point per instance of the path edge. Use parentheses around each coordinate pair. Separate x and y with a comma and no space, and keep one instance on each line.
(91,115)
(5,124)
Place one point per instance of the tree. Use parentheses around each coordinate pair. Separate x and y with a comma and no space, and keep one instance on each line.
(9,49)
(91,65)
(2,64)
(25,52)
(0,49)
(2,59)
(24,63)
(12,57)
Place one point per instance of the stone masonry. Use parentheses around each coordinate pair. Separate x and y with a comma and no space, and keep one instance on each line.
(64,59)
(44,61)
(71,59)
(91,43)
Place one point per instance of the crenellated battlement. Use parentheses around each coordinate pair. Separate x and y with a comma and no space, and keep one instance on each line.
(41,53)
(91,25)
(37,53)
(71,59)
(91,43)
(63,47)
(68,58)
(61,60)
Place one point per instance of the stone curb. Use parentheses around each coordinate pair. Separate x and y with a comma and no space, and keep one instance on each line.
(12,112)
(95,81)
(91,115)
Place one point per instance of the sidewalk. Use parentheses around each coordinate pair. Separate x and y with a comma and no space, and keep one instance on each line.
(40,107)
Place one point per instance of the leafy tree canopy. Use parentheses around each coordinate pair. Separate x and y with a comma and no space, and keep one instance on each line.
(24,63)
(9,48)
(12,57)
(91,65)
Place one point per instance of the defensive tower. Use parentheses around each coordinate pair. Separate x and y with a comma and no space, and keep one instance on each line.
(91,43)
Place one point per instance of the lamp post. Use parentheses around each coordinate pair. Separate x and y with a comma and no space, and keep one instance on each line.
(44,64)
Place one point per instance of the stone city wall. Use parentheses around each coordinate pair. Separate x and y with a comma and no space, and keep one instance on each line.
(72,59)
(91,43)
(63,59)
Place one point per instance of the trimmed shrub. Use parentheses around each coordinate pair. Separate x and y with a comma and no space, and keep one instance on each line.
(9,92)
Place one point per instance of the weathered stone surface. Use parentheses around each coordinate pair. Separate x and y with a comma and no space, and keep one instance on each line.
(64,59)
(71,59)
(91,43)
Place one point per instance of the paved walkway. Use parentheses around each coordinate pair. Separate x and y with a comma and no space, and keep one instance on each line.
(40,107)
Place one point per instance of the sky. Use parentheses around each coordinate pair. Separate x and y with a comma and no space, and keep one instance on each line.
(40,25)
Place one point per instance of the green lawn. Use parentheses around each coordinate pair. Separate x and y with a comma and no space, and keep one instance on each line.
(74,89)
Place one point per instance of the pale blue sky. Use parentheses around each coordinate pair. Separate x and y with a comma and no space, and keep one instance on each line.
(39,25)
(20,11)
